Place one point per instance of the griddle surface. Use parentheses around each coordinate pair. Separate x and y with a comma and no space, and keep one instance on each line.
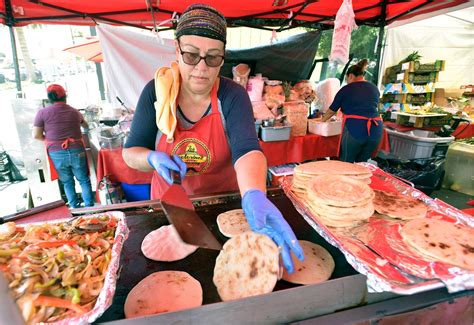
(200,264)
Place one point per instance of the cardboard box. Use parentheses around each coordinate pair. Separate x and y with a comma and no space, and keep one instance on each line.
(442,94)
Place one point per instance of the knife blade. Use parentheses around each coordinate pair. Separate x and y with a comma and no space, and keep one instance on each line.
(179,211)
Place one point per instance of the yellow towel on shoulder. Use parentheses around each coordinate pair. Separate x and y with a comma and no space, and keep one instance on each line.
(167,89)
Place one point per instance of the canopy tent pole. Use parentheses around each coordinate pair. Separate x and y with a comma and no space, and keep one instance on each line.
(10,22)
(98,69)
(380,40)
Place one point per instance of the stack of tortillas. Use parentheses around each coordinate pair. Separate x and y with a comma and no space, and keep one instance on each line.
(304,172)
(398,206)
(248,265)
(339,201)
(441,240)
(317,266)
(232,223)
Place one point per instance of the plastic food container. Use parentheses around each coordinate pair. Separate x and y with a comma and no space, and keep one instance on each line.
(459,168)
(414,144)
(326,129)
(275,133)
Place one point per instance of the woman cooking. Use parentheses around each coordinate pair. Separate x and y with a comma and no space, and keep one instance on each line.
(190,120)
(362,125)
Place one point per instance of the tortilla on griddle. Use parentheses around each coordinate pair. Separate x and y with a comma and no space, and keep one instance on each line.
(164,244)
(232,223)
(317,266)
(162,292)
(398,206)
(441,240)
(248,265)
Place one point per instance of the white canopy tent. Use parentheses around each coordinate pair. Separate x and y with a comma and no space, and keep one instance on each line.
(449,37)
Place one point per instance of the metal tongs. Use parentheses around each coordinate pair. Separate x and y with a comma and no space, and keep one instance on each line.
(123,105)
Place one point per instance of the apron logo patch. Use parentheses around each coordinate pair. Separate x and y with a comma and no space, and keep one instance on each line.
(195,154)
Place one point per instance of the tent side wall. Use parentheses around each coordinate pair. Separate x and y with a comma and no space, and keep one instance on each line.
(444,37)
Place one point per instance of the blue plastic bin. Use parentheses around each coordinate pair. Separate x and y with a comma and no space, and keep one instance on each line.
(136,192)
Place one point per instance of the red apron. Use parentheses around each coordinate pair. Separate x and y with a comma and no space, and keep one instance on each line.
(357,117)
(205,151)
(64,144)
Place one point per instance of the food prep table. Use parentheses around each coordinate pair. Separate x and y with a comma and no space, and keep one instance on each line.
(345,294)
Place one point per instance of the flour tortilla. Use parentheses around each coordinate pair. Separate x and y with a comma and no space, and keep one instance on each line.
(317,266)
(398,206)
(441,240)
(163,292)
(339,191)
(248,265)
(165,245)
(232,223)
(340,213)
(334,167)
(327,220)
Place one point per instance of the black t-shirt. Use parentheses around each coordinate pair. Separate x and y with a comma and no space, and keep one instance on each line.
(236,113)
(359,98)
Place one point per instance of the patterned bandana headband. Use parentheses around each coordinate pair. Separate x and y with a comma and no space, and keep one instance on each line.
(202,20)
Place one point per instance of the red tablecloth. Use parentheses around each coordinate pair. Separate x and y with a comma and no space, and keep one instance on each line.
(111,163)
(297,149)
(464,130)
(308,147)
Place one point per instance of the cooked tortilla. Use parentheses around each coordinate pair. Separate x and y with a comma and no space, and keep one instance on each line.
(441,240)
(163,292)
(164,244)
(248,265)
(232,223)
(399,206)
(317,266)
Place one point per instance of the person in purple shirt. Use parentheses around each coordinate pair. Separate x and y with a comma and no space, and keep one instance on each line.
(59,127)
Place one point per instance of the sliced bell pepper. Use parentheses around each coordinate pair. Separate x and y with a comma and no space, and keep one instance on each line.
(9,252)
(60,303)
(46,284)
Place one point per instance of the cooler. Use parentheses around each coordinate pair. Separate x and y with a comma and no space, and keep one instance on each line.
(459,168)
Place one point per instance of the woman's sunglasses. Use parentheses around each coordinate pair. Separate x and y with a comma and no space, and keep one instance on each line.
(193,58)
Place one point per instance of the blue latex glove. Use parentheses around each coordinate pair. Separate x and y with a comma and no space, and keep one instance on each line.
(163,164)
(264,217)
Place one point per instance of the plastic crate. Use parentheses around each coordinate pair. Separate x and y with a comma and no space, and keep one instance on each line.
(414,144)
(275,133)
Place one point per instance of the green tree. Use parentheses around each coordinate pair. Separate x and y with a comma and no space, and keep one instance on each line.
(363,41)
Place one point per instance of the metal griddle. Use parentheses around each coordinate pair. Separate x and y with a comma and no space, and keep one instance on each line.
(200,264)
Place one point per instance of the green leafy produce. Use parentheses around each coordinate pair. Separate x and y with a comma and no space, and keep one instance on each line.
(411,57)
(466,140)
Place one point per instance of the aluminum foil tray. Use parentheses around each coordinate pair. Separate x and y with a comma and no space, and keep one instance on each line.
(376,249)
(105,298)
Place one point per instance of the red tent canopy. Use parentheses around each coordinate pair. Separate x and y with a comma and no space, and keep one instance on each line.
(256,13)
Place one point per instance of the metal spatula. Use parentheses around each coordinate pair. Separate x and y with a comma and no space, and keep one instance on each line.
(181,214)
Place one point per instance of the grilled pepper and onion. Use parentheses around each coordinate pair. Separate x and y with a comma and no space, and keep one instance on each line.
(56,271)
